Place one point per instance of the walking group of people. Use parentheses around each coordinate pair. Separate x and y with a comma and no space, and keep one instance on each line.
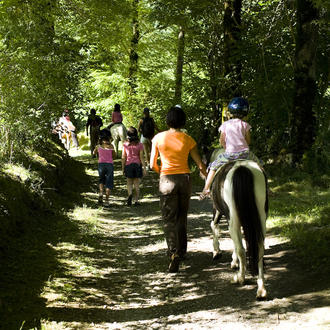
(173,147)
(135,154)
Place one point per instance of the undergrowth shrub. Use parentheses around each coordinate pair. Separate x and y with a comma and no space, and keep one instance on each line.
(36,187)
(300,211)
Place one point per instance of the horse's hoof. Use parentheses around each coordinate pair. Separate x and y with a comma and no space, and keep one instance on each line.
(261,294)
(234,265)
(238,280)
(217,255)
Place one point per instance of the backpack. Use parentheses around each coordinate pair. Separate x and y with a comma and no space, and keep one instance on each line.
(148,128)
(95,121)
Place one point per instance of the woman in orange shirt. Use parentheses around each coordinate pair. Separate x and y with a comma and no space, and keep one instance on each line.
(174,148)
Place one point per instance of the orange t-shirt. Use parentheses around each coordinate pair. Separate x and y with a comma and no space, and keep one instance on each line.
(174,149)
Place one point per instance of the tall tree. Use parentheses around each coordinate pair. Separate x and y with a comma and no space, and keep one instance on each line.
(232,37)
(134,56)
(213,35)
(179,67)
(303,120)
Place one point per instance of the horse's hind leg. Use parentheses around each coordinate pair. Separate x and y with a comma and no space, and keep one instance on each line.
(261,292)
(67,142)
(236,236)
(216,237)
(117,147)
(234,262)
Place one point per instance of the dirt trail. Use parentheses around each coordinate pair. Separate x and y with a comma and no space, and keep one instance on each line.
(114,275)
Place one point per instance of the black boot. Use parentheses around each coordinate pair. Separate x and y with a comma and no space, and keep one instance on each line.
(129,200)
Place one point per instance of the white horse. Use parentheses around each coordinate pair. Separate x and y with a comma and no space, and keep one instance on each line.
(66,138)
(239,192)
(118,133)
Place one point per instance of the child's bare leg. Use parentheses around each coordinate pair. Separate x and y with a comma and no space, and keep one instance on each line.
(129,190)
(107,194)
(136,183)
(146,150)
(208,181)
(129,186)
(101,188)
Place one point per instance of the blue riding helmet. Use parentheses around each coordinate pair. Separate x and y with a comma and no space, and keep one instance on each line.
(238,106)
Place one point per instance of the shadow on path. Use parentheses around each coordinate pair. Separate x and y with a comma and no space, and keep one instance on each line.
(107,265)
(129,280)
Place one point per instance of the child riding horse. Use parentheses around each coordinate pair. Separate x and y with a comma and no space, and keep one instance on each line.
(239,192)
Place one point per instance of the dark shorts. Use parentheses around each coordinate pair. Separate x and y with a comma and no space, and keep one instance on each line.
(133,171)
(106,174)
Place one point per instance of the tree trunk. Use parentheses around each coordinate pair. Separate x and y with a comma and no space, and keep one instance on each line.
(232,38)
(303,120)
(179,68)
(214,92)
(133,56)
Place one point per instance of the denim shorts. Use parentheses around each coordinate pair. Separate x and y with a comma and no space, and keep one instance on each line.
(106,174)
(226,157)
(133,171)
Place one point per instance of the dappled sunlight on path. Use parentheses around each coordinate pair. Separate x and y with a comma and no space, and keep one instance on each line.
(113,272)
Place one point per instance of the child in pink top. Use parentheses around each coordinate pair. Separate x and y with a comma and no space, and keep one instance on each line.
(116,117)
(106,153)
(235,138)
(132,163)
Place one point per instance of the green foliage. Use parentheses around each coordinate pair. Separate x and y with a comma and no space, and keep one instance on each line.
(299,210)
(317,159)
(35,183)
(75,54)
(38,72)
(267,75)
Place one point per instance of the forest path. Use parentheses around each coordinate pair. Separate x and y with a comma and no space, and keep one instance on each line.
(113,273)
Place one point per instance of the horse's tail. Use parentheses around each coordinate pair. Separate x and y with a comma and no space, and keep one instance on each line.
(248,214)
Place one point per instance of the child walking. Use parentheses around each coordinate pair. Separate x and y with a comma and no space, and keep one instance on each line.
(234,137)
(133,164)
(106,154)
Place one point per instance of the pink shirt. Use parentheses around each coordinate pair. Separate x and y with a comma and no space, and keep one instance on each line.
(235,130)
(117,117)
(132,152)
(105,155)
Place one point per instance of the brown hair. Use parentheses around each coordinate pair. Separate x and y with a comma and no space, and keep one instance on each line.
(132,135)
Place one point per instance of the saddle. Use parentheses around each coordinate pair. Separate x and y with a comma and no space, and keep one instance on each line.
(113,124)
